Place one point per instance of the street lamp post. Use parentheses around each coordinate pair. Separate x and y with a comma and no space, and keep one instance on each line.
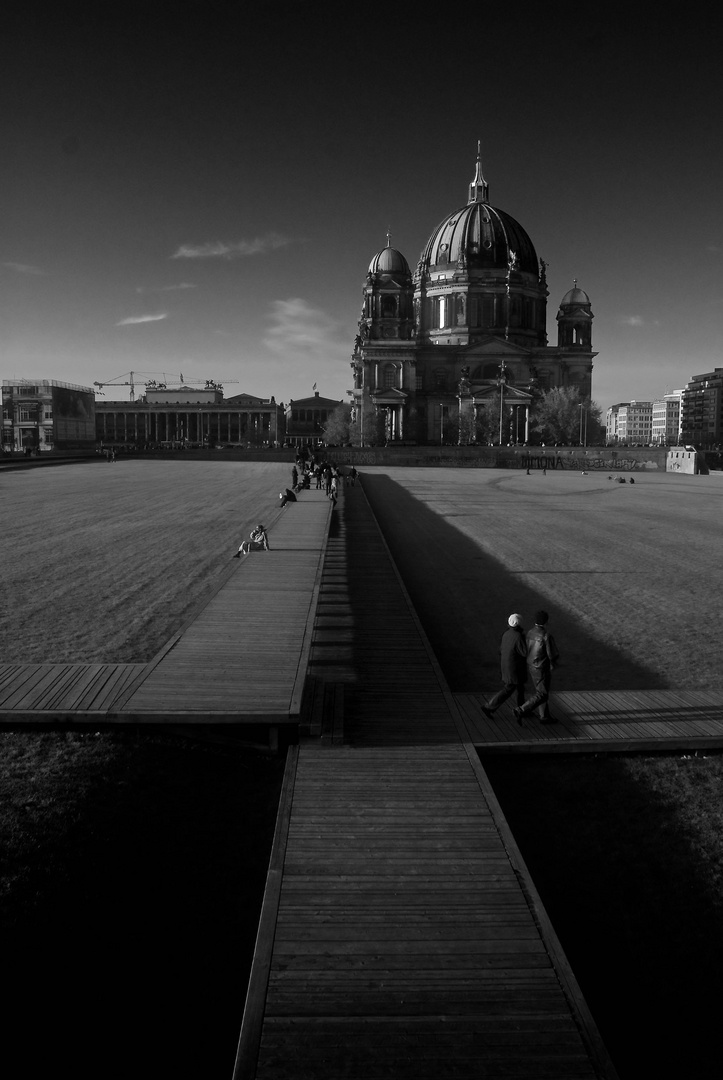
(441,424)
(583,424)
(502,381)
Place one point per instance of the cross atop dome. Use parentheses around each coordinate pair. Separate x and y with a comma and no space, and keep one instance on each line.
(479,188)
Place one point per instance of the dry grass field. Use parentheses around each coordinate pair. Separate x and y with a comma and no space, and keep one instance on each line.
(630,574)
(103,562)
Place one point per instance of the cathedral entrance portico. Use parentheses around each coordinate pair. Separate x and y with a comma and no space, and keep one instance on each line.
(389,404)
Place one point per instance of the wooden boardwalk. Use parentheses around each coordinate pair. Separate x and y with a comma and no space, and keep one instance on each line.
(401,935)
(241,658)
(63,691)
(593,722)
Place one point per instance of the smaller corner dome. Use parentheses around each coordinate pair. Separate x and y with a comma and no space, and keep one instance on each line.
(389,261)
(575,296)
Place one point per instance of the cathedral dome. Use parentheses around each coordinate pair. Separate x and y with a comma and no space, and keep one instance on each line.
(574,296)
(389,261)
(481,237)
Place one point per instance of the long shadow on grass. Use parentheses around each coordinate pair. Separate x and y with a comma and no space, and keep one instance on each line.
(130,924)
(635,909)
(464,601)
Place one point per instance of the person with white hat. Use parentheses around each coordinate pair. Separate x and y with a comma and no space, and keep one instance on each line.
(513,665)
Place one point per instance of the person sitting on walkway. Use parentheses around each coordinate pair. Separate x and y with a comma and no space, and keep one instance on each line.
(285,497)
(513,666)
(257,541)
(542,658)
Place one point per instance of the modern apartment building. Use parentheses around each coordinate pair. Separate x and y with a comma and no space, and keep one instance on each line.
(702,411)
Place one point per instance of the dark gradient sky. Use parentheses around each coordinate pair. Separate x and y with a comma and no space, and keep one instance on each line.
(199,188)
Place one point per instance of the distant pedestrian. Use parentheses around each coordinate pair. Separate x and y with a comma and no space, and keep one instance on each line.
(542,659)
(513,666)
(352,475)
(294,476)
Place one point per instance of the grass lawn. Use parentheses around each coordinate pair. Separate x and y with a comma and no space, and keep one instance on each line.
(102,563)
(630,575)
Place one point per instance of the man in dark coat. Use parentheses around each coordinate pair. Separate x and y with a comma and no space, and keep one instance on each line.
(542,658)
(513,665)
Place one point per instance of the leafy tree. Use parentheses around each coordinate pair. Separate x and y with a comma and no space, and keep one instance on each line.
(336,428)
(557,413)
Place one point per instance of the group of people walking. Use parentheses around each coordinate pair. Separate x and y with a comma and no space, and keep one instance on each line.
(328,476)
(532,655)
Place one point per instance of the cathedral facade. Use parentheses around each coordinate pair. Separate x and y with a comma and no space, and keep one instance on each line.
(455,351)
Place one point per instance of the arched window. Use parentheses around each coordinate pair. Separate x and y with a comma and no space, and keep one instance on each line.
(389,307)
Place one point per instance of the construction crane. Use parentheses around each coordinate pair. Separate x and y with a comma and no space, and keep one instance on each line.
(148,377)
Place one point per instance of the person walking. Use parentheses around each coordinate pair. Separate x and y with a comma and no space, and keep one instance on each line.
(513,666)
(542,659)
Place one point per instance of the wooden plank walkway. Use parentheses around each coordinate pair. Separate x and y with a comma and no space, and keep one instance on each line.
(401,935)
(241,658)
(63,691)
(593,722)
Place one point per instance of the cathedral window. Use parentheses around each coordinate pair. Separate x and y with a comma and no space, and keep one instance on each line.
(389,307)
(440,379)
(442,312)
(389,376)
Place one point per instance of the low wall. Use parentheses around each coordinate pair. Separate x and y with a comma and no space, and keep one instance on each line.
(563,458)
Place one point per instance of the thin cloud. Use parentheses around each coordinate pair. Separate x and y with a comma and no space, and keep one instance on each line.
(133,320)
(220,249)
(24,268)
(165,288)
(302,331)
(633,320)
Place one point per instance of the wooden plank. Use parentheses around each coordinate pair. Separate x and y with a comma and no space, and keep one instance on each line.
(250,1035)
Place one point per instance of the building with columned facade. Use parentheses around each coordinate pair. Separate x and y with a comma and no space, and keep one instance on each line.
(306,417)
(443,350)
(188,417)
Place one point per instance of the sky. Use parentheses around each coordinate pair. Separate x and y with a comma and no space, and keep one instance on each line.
(197,189)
